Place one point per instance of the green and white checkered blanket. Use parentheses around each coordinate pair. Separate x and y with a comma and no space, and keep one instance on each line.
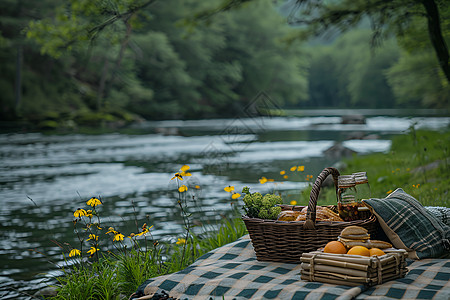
(232,272)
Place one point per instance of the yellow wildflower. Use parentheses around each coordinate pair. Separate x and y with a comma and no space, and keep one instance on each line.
(263,180)
(93,237)
(74,252)
(228,189)
(293,168)
(118,237)
(89,213)
(285,177)
(301,168)
(179,175)
(111,230)
(388,192)
(93,250)
(235,196)
(182,188)
(93,202)
(282,172)
(144,230)
(184,169)
(181,241)
(79,213)
(293,202)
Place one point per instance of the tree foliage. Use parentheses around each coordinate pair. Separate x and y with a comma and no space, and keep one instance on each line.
(111,57)
(386,16)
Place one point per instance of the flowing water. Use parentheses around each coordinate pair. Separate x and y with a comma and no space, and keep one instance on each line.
(45,178)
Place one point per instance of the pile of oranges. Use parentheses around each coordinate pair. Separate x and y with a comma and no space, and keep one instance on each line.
(339,248)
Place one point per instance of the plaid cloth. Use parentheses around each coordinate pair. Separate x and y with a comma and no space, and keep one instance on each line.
(232,272)
(442,213)
(411,226)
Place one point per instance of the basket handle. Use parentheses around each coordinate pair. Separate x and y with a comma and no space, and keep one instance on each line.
(311,211)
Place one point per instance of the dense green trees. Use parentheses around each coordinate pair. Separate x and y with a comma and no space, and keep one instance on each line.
(93,60)
(348,73)
(147,62)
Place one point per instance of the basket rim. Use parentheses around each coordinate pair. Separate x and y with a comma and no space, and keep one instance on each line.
(372,219)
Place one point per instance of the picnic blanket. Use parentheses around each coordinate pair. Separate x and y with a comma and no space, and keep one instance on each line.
(232,272)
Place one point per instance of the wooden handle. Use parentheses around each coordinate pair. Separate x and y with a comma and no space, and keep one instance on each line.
(311,211)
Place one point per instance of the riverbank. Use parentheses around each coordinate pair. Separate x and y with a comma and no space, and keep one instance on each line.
(418,162)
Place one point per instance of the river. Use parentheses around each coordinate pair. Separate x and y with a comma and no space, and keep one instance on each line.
(45,178)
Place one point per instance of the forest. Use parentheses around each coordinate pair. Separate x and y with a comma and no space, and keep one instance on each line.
(88,62)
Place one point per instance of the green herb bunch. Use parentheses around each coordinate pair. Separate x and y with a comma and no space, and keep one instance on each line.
(259,206)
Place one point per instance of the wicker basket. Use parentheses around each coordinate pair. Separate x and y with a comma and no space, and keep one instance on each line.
(282,241)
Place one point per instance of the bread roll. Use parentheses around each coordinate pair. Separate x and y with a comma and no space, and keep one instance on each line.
(325,214)
(288,215)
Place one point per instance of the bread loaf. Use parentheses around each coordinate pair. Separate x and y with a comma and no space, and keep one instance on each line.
(288,215)
(325,214)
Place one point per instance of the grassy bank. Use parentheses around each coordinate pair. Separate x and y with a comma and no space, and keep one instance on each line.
(417,162)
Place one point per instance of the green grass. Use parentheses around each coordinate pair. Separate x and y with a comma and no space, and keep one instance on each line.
(418,162)
(117,275)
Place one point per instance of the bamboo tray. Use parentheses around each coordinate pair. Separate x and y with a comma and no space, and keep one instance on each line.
(353,270)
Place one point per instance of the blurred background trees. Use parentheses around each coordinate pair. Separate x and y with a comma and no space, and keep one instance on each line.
(87,61)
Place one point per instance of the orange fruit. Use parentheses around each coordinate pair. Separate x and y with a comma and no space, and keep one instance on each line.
(376,251)
(335,247)
(359,250)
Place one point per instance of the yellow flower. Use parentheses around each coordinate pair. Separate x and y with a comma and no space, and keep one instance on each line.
(179,175)
(182,188)
(181,242)
(282,172)
(144,230)
(79,213)
(111,230)
(293,168)
(74,252)
(89,213)
(416,185)
(301,168)
(388,192)
(293,202)
(93,202)
(93,250)
(263,180)
(285,177)
(228,189)
(92,237)
(184,169)
(118,237)
(197,187)
(235,196)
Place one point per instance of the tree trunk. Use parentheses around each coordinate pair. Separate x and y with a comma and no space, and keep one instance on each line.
(18,82)
(101,88)
(437,40)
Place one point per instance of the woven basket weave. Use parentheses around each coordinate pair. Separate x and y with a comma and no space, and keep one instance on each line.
(282,241)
